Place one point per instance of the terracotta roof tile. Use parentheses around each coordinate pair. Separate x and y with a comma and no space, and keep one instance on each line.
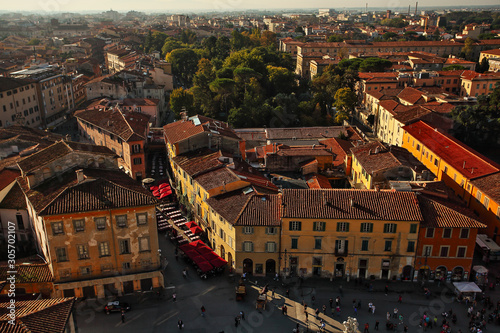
(317,181)
(373,162)
(114,121)
(438,215)
(55,151)
(489,185)
(7,176)
(411,95)
(28,273)
(199,161)
(101,190)
(250,209)
(336,204)
(38,316)
(452,151)
(14,199)
(181,130)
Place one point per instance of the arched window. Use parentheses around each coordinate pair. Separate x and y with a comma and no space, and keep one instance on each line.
(47,173)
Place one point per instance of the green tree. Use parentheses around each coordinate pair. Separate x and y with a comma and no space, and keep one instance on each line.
(483,66)
(468,49)
(181,99)
(184,65)
(170,45)
(281,80)
(389,35)
(34,41)
(188,36)
(335,38)
(478,125)
(454,68)
(374,65)
(224,89)
(345,101)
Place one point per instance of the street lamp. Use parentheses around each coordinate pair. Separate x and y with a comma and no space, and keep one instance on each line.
(284,259)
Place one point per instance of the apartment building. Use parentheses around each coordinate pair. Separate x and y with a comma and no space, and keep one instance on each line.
(475,84)
(122,131)
(19,104)
(447,239)
(54,91)
(94,226)
(461,168)
(357,233)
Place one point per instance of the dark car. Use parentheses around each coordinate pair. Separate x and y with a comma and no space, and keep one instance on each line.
(116,306)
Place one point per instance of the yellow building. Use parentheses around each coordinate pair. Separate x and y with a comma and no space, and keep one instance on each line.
(472,176)
(355,233)
(246,227)
(93,225)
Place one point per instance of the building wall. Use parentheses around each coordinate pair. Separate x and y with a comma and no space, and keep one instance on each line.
(359,175)
(23,101)
(103,89)
(487,208)
(260,255)
(23,232)
(434,259)
(389,129)
(100,264)
(478,87)
(56,98)
(349,263)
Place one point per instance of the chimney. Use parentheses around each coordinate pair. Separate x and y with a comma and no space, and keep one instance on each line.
(80,177)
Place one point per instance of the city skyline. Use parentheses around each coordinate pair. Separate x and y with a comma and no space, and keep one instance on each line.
(49,6)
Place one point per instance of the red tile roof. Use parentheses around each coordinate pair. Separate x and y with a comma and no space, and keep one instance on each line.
(351,205)
(411,95)
(462,158)
(249,209)
(7,176)
(131,126)
(101,190)
(373,162)
(317,181)
(489,185)
(439,215)
(56,151)
(28,273)
(182,130)
(38,316)
(14,199)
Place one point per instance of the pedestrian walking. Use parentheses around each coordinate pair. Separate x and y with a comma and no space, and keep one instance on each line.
(174,297)
(180,324)
(324,309)
(355,311)
(388,316)
(400,299)
(284,310)
(202,311)
(287,293)
(337,309)
(323,325)
(273,293)
(395,315)
(370,307)
(184,273)
(386,290)
(373,309)
(367,326)
(236,321)
(337,300)
(123,316)
(317,313)
(307,315)
(376,325)
(242,315)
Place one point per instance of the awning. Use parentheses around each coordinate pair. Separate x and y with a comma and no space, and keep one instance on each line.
(191,224)
(480,269)
(153,188)
(218,262)
(210,256)
(198,243)
(163,185)
(196,230)
(204,249)
(467,287)
(199,259)
(205,266)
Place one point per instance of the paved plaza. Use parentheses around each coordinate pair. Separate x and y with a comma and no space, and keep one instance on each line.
(151,313)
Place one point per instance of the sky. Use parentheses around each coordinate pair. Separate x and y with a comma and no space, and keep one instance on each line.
(42,6)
